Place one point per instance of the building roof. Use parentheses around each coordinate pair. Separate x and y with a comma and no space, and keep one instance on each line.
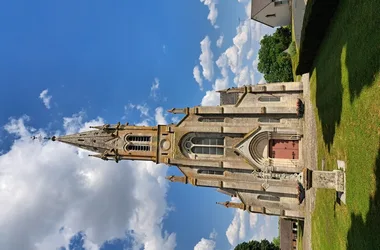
(258,5)
(286,233)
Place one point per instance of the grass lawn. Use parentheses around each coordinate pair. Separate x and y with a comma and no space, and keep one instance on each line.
(295,57)
(300,235)
(345,88)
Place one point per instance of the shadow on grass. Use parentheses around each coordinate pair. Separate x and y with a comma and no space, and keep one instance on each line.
(350,53)
(365,234)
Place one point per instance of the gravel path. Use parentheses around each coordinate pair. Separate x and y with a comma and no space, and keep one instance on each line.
(310,157)
(298,10)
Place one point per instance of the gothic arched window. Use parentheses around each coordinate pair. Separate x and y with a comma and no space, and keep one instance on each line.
(204,145)
(131,147)
(138,138)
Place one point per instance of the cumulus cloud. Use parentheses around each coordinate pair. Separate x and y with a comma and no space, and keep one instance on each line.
(243,77)
(213,14)
(221,83)
(219,42)
(45,98)
(198,77)
(243,226)
(207,244)
(48,193)
(211,98)
(206,59)
(239,57)
(159,116)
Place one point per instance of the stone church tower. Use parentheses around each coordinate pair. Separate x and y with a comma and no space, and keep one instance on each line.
(248,147)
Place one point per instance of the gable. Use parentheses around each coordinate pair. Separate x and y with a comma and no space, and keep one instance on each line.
(258,5)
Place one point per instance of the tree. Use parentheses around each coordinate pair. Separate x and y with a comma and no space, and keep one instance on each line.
(256,245)
(276,241)
(274,62)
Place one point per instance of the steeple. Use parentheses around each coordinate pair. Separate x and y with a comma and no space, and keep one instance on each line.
(116,142)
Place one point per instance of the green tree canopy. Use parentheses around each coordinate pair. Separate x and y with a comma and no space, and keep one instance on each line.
(276,241)
(274,62)
(256,245)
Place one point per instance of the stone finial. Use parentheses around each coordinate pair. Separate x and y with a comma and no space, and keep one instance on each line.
(223,203)
(229,204)
(177,111)
(173,178)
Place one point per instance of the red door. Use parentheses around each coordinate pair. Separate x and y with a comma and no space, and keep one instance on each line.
(283,149)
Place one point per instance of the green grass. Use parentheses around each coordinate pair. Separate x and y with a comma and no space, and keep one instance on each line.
(295,57)
(345,88)
(300,235)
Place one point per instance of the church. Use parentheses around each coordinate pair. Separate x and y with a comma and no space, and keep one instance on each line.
(248,147)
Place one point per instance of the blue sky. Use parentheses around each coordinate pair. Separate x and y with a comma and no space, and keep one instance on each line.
(65,65)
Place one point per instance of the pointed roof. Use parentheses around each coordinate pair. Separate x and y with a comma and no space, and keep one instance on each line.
(258,5)
(103,140)
(95,140)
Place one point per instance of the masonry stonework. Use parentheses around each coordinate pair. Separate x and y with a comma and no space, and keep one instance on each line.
(248,147)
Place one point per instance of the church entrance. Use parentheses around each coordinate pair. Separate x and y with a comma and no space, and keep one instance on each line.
(283,149)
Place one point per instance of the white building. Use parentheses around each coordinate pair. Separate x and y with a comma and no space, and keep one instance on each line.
(271,12)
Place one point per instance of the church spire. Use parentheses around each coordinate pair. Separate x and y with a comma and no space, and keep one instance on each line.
(116,142)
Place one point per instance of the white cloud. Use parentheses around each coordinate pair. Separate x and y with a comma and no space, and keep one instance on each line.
(268,229)
(238,58)
(236,232)
(232,58)
(205,244)
(243,226)
(159,116)
(154,88)
(250,54)
(221,83)
(210,99)
(241,37)
(213,14)
(45,98)
(198,77)
(219,42)
(247,8)
(252,220)
(206,59)
(48,193)
(243,77)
